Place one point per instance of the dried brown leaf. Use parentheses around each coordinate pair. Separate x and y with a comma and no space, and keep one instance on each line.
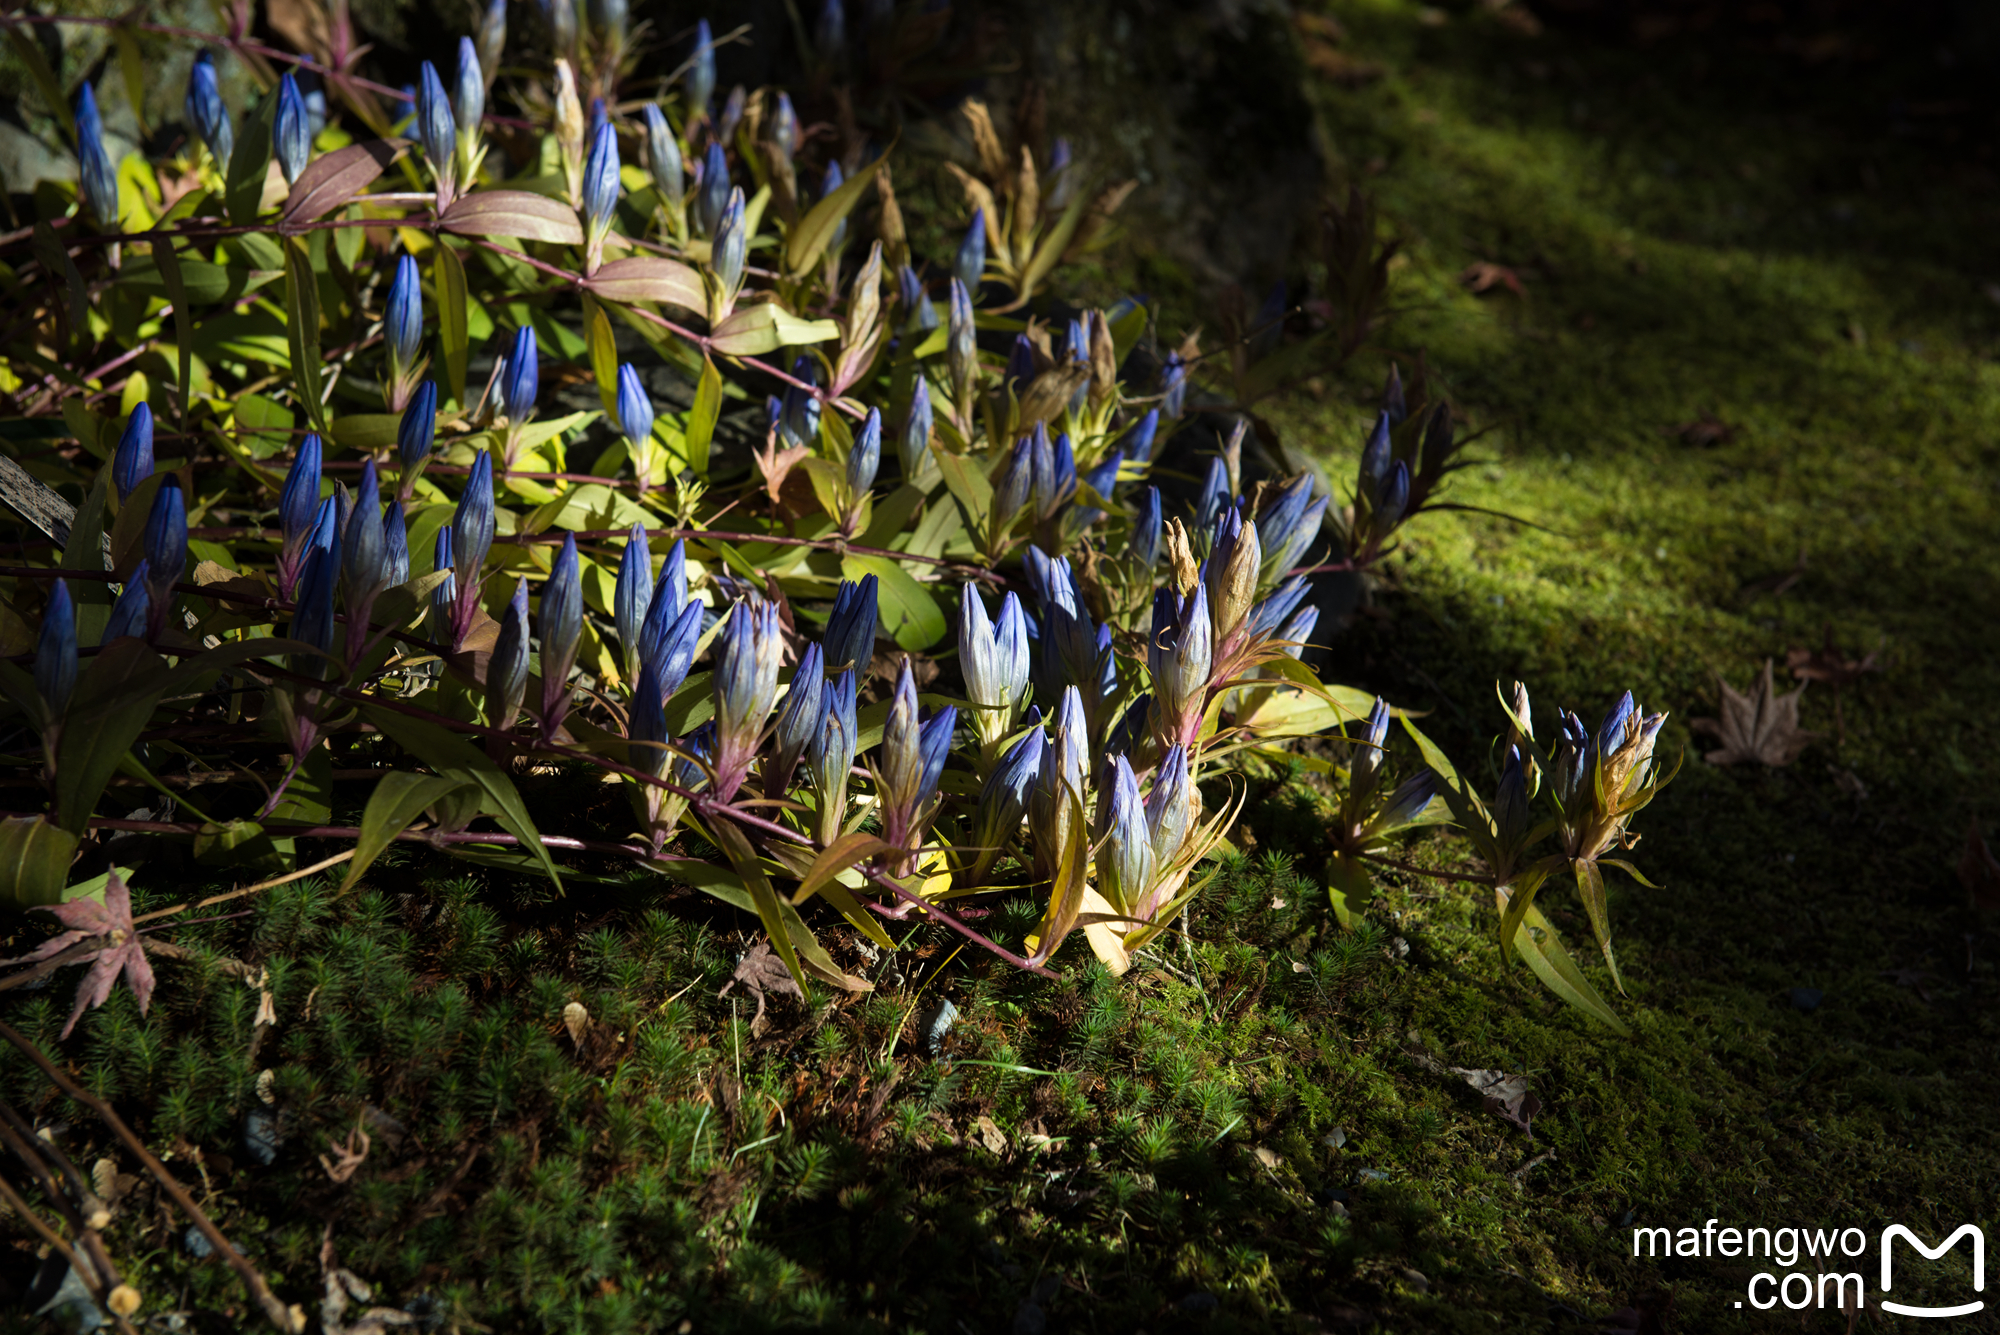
(1761,727)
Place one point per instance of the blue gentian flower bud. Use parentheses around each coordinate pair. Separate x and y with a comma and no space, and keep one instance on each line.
(343,508)
(520,380)
(206,112)
(915,442)
(970,265)
(561,625)
(1510,805)
(298,503)
(1064,772)
(1407,803)
(912,758)
(1369,753)
(647,724)
(365,550)
(1272,612)
(733,107)
(436,128)
(1102,481)
(670,596)
(785,128)
(490,40)
(55,651)
(962,349)
(1004,798)
(701,70)
(1138,441)
(1231,572)
(798,720)
(1391,499)
(403,321)
(132,463)
(468,90)
(1016,485)
(1611,732)
(131,612)
(994,661)
(1296,634)
(850,628)
(395,546)
(663,157)
(713,195)
(1059,182)
(406,104)
(670,653)
(799,421)
(1076,342)
(830,34)
(692,769)
(600,184)
(1069,636)
(731,249)
(446,593)
(830,182)
(417,431)
(1171,807)
(1020,363)
(1179,657)
(1213,498)
(922,314)
(507,670)
(1147,529)
(166,550)
(1174,387)
(312,618)
(471,538)
(745,683)
(1124,843)
(97,174)
(1394,405)
(291,131)
(1059,484)
(1289,527)
(1375,457)
(632,595)
(866,456)
(830,757)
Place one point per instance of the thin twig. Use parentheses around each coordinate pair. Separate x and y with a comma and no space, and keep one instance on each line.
(274,1310)
(273,883)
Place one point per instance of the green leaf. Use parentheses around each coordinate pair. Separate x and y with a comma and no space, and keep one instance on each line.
(968,484)
(113,702)
(454,337)
(1053,245)
(250,162)
(455,758)
(133,67)
(86,550)
(366,433)
(328,182)
(30,53)
(702,418)
(765,326)
(843,853)
(237,843)
(597,337)
(397,800)
(1590,887)
(810,237)
(54,256)
(730,839)
(909,613)
(169,265)
(302,325)
(264,425)
(1520,902)
(1352,888)
(34,861)
(1553,965)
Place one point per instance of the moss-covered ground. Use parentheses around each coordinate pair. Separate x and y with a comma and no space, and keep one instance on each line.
(1252,1133)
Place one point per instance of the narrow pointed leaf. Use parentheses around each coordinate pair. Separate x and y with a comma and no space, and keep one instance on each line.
(397,800)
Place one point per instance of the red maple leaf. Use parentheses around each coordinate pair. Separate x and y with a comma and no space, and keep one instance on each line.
(112,920)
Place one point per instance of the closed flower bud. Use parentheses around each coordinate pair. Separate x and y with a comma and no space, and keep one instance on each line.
(1213,498)
(670,597)
(1064,775)
(1125,860)
(490,41)
(133,608)
(507,670)
(635,410)
(731,248)
(1366,765)
(691,770)
(1287,525)
(830,757)
(468,107)
(446,593)
(915,442)
(1138,441)
(671,652)
(417,432)
(993,657)
(1231,572)
(962,347)
(1270,614)
(395,546)
(647,724)
(1069,635)
(732,115)
(436,128)
(403,320)
(1510,804)
(922,317)
(600,185)
(1174,387)
(298,505)
(55,652)
(712,197)
(1296,634)
(1015,487)
(166,550)
(1375,456)
(830,182)
(132,463)
(970,265)
(1405,805)
(701,70)
(365,552)
(745,685)
(520,379)
(1179,658)
(97,174)
(561,625)
(850,628)
(798,720)
(1391,499)
(784,128)
(912,758)
(1171,807)
(312,618)
(206,112)
(632,595)
(663,157)
(866,456)
(471,538)
(1144,544)
(1394,405)
(1004,798)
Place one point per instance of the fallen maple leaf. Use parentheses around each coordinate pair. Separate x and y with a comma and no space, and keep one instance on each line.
(1979,870)
(123,949)
(1763,726)
(348,1156)
(1506,1096)
(1830,664)
(762,972)
(1483,276)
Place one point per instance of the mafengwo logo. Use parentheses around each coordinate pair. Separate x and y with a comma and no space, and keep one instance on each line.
(1822,1287)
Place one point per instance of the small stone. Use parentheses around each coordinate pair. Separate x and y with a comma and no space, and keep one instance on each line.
(260,1135)
(1370,1175)
(1416,1280)
(936,1024)
(196,1243)
(1336,1137)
